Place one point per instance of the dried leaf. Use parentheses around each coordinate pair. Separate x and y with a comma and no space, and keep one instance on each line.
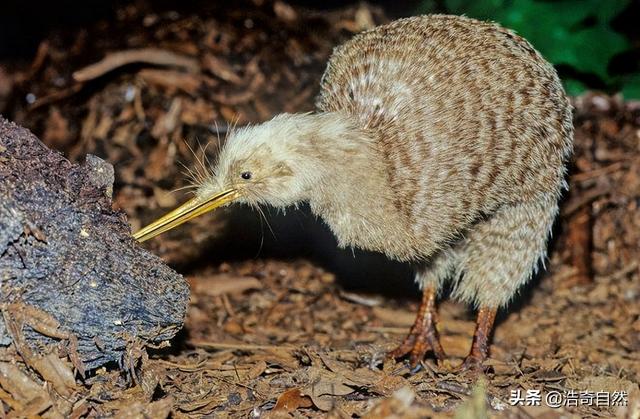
(324,387)
(291,400)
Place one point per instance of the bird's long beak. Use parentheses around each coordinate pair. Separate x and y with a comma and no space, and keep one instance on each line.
(185,212)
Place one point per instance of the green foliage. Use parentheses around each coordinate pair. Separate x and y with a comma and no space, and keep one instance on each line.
(631,87)
(576,33)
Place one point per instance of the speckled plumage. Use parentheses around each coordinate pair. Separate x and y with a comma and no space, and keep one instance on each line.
(475,129)
(438,140)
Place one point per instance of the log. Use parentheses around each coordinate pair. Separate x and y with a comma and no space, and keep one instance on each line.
(67,252)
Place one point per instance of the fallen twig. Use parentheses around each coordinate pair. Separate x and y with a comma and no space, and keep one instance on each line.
(146,55)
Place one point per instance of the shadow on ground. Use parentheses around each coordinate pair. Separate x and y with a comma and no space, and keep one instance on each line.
(299,234)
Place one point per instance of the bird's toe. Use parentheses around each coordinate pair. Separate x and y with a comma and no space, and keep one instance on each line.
(418,353)
(405,348)
(416,347)
(471,364)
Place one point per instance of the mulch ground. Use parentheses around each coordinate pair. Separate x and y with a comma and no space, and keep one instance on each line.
(283,337)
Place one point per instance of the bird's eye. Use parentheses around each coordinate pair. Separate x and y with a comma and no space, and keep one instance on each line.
(246,175)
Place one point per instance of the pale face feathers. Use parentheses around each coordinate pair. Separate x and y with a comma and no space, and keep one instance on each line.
(271,163)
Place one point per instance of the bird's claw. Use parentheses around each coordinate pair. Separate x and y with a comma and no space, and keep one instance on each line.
(420,340)
(471,363)
(423,336)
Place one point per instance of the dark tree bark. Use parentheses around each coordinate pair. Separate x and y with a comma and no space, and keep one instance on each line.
(64,250)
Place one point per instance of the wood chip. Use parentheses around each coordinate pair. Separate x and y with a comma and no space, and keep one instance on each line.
(223,284)
(172,80)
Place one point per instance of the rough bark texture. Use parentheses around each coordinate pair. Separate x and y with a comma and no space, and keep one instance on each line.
(64,250)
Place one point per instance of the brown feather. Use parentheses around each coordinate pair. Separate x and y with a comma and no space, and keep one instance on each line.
(475,130)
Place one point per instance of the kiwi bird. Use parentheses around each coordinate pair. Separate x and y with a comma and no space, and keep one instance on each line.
(437,140)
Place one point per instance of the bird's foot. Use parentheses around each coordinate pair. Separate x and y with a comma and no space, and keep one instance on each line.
(480,346)
(423,336)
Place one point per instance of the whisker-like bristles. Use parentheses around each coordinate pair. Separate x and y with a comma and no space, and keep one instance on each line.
(202,156)
(204,161)
(189,169)
(206,158)
(199,167)
(182,188)
(264,217)
(189,175)
(219,145)
(185,167)
(192,176)
(261,234)
(195,182)
(234,124)
(231,129)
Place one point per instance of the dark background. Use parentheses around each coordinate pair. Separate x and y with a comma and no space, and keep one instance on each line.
(594,43)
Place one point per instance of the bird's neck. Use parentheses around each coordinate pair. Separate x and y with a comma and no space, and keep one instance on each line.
(351,192)
(342,155)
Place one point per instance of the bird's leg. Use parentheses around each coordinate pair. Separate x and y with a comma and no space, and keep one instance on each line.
(480,345)
(423,335)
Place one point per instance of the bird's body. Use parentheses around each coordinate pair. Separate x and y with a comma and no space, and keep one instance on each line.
(438,140)
(467,117)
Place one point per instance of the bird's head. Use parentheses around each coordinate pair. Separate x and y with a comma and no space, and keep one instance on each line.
(271,163)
